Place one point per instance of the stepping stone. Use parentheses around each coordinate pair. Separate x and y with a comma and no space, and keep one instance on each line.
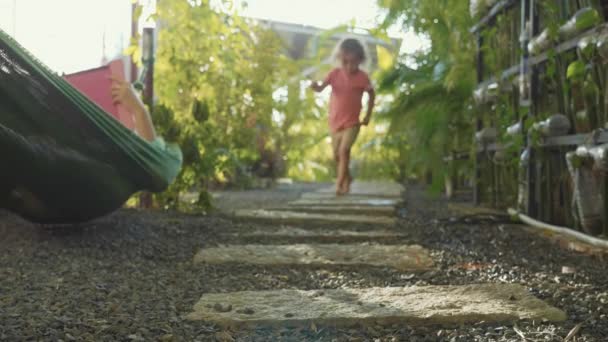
(348,201)
(336,209)
(299,216)
(404,258)
(379,189)
(436,305)
(325,196)
(293,232)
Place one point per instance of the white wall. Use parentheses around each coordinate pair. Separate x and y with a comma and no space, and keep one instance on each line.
(67,35)
(6,16)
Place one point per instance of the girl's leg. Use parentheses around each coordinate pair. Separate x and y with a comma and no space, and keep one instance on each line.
(350,135)
(343,169)
(336,142)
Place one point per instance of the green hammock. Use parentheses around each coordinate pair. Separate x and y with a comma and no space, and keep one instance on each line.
(64,160)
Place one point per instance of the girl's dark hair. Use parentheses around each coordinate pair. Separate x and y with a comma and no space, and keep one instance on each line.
(352,45)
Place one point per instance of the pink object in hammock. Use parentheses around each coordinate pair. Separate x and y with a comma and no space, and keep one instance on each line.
(97,86)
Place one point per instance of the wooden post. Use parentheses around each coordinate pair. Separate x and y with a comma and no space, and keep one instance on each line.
(533,166)
(134,34)
(148,50)
(604,6)
(478,124)
(146,200)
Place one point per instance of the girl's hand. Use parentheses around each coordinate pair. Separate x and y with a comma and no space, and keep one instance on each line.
(314,85)
(124,93)
(365,121)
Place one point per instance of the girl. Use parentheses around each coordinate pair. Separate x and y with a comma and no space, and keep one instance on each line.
(348,83)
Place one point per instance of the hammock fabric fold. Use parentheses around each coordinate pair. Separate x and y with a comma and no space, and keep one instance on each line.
(65,160)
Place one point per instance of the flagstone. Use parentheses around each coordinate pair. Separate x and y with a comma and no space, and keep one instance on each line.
(337,209)
(437,305)
(294,232)
(371,188)
(401,257)
(348,201)
(302,216)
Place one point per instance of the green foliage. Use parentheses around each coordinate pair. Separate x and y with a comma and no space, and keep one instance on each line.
(215,78)
(230,96)
(429,118)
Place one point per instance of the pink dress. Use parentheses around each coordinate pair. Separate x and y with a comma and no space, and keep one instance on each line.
(346,95)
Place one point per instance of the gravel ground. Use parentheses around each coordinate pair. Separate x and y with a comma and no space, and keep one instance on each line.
(130,277)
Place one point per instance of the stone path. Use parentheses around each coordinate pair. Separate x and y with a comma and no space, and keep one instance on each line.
(371,205)
(299,216)
(383,305)
(404,258)
(295,232)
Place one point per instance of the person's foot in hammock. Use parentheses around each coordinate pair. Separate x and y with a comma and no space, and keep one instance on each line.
(23,201)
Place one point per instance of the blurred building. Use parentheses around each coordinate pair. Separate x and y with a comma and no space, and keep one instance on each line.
(304,41)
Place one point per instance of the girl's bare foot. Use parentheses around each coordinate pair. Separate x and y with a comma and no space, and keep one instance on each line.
(339,191)
(345,185)
(349,181)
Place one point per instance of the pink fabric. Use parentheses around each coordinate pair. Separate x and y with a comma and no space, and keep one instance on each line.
(96,85)
(346,94)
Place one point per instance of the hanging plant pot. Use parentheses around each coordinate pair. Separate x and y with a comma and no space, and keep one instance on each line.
(476,7)
(522,190)
(590,96)
(491,3)
(576,71)
(555,125)
(602,46)
(522,82)
(501,154)
(586,18)
(492,92)
(486,94)
(583,123)
(600,157)
(540,43)
(567,31)
(486,136)
(479,96)
(582,20)
(588,202)
(587,49)
(515,129)
(506,87)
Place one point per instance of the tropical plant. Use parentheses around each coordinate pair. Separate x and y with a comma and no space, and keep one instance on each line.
(216,75)
(429,118)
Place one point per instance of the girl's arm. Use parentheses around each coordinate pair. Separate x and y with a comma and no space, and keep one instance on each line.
(370,106)
(123,93)
(319,87)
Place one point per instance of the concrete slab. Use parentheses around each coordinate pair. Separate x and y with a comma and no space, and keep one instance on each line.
(300,216)
(338,209)
(327,195)
(372,188)
(348,201)
(294,232)
(404,258)
(437,305)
